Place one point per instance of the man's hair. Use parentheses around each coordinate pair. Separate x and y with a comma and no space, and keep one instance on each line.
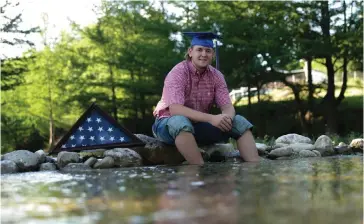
(187,56)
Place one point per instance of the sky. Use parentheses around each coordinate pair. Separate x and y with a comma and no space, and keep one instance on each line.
(59,13)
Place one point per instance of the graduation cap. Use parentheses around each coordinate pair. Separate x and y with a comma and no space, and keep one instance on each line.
(96,129)
(204,39)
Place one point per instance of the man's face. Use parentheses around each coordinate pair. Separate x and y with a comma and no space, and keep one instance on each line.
(201,56)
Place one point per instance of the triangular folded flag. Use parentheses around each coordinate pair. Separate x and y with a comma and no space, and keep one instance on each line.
(96,129)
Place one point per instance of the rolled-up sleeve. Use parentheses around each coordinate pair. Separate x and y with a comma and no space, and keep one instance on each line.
(222,97)
(174,86)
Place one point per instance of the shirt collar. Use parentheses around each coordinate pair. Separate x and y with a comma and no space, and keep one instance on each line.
(195,71)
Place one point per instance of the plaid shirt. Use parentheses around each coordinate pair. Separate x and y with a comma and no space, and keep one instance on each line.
(184,85)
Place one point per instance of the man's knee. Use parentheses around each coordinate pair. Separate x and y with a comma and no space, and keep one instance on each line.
(179,123)
(240,125)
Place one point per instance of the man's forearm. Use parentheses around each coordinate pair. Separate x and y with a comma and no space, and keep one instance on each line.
(229,110)
(194,115)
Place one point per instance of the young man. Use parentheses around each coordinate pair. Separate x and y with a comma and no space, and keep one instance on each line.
(182,114)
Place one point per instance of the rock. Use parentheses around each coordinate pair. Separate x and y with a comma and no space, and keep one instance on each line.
(306,153)
(42,156)
(318,154)
(47,167)
(324,145)
(74,167)
(25,160)
(50,159)
(98,153)
(285,158)
(276,146)
(8,166)
(297,147)
(293,138)
(281,152)
(90,161)
(124,157)
(262,149)
(105,163)
(65,158)
(342,148)
(357,145)
(156,152)
(219,148)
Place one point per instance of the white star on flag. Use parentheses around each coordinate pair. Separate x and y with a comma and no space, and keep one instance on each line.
(121,139)
(100,129)
(92,138)
(63,146)
(109,129)
(98,120)
(80,128)
(90,129)
(102,138)
(73,145)
(112,138)
(72,137)
(82,137)
(89,119)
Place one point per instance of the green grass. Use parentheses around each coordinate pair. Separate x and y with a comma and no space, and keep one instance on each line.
(353,94)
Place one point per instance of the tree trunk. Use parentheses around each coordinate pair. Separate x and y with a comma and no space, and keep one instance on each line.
(249,101)
(114,106)
(310,84)
(329,99)
(345,63)
(51,122)
(135,98)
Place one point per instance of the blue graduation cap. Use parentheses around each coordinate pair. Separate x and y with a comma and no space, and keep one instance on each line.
(96,129)
(204,39)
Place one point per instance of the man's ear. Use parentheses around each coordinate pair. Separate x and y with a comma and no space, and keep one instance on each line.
(189,51)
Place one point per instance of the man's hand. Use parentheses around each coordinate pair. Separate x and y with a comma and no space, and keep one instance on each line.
(222,121)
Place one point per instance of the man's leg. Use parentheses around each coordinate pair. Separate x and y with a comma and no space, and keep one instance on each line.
(178,130)
(187,146)
(245,140)
(247,148)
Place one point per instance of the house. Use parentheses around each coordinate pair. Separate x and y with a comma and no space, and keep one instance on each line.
(297,76)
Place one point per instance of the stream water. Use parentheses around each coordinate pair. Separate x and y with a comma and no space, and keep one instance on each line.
(312,190)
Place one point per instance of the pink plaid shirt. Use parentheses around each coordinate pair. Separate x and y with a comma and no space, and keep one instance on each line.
(184,85)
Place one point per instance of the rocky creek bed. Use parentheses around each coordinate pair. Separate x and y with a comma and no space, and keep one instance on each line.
(298,181)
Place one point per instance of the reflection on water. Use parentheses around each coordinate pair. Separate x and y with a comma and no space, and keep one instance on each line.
(319,190)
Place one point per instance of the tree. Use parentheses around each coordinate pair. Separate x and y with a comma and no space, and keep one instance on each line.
(10,27)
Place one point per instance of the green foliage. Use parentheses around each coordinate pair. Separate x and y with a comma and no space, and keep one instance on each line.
(121,61)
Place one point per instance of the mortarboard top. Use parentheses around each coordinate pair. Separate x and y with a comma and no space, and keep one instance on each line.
(204,39)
